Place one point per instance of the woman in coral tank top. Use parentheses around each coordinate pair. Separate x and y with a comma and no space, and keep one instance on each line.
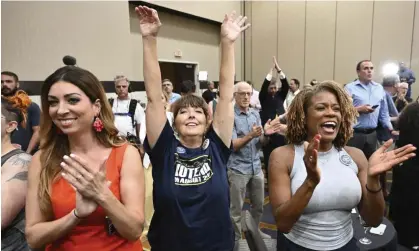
(86,184)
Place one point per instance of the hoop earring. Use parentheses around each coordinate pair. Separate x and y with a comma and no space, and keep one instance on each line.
(98,124)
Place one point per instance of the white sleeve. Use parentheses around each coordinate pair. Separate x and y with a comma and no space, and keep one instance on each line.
(139,114)
(142,130)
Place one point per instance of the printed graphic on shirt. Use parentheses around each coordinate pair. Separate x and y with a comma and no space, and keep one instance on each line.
(192,172)
(345,159)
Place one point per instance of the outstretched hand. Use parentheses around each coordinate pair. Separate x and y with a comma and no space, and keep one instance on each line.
(272,126)
(310,159)
(149,21)
(232,27)
(382,161)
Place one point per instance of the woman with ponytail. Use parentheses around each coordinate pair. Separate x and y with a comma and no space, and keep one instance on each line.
(14,172)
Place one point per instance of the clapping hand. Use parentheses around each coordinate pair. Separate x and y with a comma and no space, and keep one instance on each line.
(310,159)
(276,64)
(232,27)
(272,127)
(149,21)
(382,161)
(256,131)
(89,183)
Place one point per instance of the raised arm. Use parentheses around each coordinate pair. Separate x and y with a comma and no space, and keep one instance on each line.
(264,89)
(14,177)
(155,113)
(284,86)
(224,115)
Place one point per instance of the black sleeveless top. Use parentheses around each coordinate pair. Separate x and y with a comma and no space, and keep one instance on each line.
(13,236)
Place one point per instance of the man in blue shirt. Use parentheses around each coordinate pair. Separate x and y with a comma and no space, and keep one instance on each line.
(168,90)
(369,98)
(390,87)
(244,166)
(408,75)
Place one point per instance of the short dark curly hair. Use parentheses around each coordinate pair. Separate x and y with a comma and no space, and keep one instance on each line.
(296,116)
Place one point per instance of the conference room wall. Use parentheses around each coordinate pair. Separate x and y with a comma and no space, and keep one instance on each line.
(36,36)
(104,38)
(198,42)
(325,39)
(213,10)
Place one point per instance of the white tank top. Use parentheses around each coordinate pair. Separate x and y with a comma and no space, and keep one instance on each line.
(326,222)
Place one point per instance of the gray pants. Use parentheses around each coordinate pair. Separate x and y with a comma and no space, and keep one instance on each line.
(238,184)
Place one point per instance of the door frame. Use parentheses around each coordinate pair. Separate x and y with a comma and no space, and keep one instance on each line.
(195,77)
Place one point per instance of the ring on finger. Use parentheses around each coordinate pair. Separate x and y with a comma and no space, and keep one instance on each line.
(310,158)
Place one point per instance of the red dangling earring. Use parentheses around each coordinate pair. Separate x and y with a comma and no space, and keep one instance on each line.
(98,124)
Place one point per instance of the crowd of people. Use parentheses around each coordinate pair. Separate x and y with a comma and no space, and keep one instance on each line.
(92,173)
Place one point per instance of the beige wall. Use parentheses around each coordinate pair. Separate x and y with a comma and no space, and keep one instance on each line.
(36,35)
(199,43)
(325,39)
(213,10)
(103,36)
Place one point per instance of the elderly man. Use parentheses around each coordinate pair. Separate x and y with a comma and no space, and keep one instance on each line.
(408,75)
(400,98)
(244,166)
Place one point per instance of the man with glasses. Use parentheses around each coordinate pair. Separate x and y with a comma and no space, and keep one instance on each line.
(168,90)
(401,99)
(27,138)
(244,166)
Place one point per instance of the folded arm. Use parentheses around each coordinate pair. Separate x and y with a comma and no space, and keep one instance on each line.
(41,231)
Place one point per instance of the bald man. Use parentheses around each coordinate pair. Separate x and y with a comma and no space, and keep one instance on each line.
(244,166)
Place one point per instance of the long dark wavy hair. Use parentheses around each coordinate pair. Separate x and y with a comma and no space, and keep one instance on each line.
(54,145)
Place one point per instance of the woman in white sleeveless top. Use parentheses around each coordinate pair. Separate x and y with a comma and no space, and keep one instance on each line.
(314,186)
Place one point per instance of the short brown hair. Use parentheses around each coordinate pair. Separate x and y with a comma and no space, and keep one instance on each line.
(189,100)
(296,116)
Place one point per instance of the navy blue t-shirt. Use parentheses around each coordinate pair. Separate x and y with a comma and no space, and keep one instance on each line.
(190,194)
